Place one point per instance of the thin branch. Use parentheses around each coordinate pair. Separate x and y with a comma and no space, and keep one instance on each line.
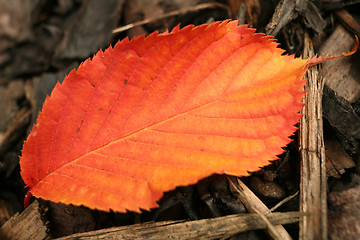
(171,14)
(252,202)
(283,201)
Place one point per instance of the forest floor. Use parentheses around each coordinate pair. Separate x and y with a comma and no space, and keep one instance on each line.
(42,41)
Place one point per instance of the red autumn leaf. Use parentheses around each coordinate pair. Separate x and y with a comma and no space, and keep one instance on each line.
(163,111)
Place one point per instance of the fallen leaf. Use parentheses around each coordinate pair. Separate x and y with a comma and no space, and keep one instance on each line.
(154,113)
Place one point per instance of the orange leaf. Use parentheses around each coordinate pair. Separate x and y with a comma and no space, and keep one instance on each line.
(163,111)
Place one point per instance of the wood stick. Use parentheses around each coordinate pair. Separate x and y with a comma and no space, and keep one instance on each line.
(27,225)
(254,205)
(312,151)
(213,228)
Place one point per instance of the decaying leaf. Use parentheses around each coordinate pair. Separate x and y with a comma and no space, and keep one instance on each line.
(167,110)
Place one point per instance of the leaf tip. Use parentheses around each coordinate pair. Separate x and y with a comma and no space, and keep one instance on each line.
(27,198)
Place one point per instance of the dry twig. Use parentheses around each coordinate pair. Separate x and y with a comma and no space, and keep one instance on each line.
(252,202)
(173,13)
